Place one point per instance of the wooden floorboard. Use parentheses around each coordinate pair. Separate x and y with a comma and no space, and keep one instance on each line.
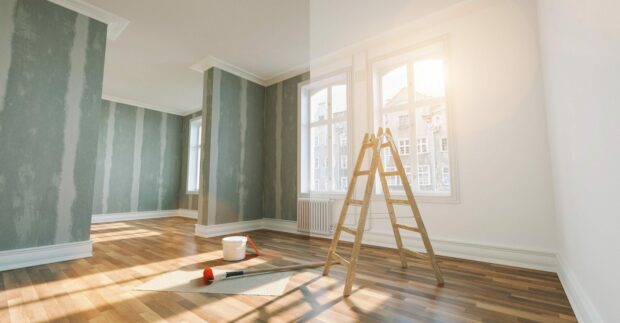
(127,254)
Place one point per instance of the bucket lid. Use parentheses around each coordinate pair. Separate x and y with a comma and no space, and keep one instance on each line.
(235,239)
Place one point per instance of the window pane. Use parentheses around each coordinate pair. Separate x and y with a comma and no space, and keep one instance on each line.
(398,122)
(193,170)
(318,106)
(431,131)
(197,182)
(339,153)
(428,79)
(394,87)
(319,172)
(339,100)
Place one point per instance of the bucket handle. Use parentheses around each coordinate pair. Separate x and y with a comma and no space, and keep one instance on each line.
(252,244)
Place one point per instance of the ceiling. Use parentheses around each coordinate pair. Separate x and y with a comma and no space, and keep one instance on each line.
(149,63)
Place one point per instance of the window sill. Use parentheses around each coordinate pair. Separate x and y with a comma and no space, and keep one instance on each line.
(192,193)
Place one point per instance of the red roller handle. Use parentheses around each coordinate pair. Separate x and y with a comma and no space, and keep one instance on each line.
(253,245)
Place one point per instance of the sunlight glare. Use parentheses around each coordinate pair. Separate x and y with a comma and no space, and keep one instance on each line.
(429,79)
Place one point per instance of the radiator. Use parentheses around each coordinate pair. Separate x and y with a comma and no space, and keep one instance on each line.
(314,216)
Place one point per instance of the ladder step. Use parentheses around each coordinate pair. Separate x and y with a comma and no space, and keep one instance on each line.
(341,260)
(348,230)
(416,254)
(384,145)
(368,145)
(407,227)
(394,173)
(356,202)
(398,201)
(362,172)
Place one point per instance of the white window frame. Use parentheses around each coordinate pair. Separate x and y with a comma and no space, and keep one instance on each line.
(344,182)
(445,173)
(422,145)
(382,61)
(404,147)
(424,171)
(304,91)
(441,145)
(344,161)
(194,149)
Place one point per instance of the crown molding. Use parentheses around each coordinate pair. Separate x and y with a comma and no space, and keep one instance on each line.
(211,61)
(116,24)
(143,105)
(297,70)
(192,112)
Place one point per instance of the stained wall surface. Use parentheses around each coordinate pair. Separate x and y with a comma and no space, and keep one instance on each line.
(51,72)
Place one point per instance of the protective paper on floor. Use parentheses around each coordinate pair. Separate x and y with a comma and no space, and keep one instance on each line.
(191,282)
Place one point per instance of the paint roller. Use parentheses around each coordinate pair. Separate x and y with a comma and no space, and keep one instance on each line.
(213,275)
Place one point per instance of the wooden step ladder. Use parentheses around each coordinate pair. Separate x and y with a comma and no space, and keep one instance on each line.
(376,144)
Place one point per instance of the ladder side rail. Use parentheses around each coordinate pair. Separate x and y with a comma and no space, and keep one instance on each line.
(362,220)
(390,206)
(415,209)
(345,206)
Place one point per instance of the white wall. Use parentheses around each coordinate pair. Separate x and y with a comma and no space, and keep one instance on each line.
(499,124)
(580,43)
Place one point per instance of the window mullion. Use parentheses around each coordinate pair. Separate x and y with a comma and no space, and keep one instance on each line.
(413,160)
(330,183)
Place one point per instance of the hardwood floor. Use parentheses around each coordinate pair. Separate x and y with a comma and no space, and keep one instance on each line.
(127,254)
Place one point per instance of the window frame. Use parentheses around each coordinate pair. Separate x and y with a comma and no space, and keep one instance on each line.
(404,149)
(387,60)
(441,147)
(304,91)
(427,172)
(418,145)
(191,138)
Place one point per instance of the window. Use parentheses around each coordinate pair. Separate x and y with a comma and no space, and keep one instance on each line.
(424,175)
(409,97)
(422,146)
(445,175)
(404,147)
(343,139)
(403,121)
(323,135)
(194,152)
(444,145)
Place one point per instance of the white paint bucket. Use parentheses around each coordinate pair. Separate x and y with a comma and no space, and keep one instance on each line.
(234,247)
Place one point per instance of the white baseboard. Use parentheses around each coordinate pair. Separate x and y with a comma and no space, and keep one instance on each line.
(280,225)
(191,214)
(579,300)
(20,258)
(131,216)
(208,231)
(531,259)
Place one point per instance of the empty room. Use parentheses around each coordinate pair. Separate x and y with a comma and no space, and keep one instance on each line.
(309,160)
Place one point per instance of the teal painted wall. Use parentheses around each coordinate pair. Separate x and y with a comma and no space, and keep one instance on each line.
(51,71)
(280,149)
(232,168)
(186,201)
(138,160)
(249,167)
